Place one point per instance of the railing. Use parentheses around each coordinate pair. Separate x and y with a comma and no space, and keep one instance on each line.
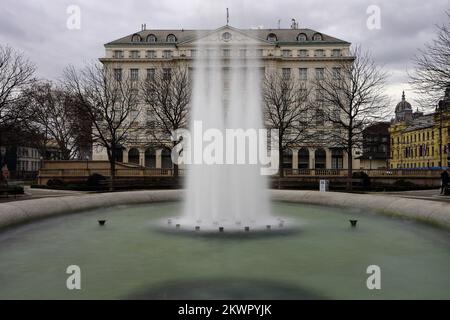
(129,172)
(160,172)
(369,172)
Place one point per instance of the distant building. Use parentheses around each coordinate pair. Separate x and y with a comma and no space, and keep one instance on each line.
(25,161)
(420,140)
(376,146)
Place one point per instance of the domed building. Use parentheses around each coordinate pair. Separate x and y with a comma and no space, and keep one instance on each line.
(403,110)
(418,140)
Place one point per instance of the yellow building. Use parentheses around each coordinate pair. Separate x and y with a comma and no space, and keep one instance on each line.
(418,140)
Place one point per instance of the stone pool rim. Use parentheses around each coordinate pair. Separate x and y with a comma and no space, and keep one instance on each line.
(20,212)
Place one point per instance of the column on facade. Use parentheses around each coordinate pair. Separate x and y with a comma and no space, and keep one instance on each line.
(345,160)
(328,158)
(158,158)
(141,157)
(125,155)
(312,151)
(294,158)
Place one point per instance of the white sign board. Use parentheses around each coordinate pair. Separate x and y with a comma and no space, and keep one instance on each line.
(324,185)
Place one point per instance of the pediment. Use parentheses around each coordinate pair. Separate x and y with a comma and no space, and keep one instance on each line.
(226,35)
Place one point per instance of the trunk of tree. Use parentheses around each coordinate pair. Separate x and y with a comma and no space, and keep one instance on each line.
(175,166)
(350,167)
(280,161)
(112,166)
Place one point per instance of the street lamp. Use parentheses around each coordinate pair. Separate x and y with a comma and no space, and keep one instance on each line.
(370,162)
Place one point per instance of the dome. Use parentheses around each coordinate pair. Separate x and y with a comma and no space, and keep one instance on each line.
(403,105)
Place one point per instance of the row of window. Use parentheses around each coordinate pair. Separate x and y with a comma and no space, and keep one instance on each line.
(303,73)
(303,53)
(416,165)
(150,74)
(286,73)
(28,165)
(285,53)
(272,37)
(420,151)
(151,38)
(416,137)
(27,152)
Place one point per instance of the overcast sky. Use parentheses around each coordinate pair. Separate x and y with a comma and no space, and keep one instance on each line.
(39,27)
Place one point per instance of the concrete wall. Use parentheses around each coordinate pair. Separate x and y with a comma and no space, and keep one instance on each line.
(433,212)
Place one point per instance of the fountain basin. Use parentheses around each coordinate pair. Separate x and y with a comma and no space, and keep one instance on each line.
(133,259)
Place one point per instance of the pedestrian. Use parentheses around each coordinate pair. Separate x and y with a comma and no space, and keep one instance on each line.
(444,181)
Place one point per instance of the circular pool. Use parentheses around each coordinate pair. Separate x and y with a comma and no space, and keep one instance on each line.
(129,257)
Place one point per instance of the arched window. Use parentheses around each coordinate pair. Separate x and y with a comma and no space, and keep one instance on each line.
(166,159)
(317,37)
(287,159)
(303,158)
(337,158)
(151,38)
(272,37)
(133,156)
(119,154)
(150,158)
(302,37)
(171,38)
(320,159)
(136,38)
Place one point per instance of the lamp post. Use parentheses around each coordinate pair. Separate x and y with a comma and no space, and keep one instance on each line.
(87,164)
(370,162)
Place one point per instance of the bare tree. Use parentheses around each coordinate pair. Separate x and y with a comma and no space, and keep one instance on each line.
(111,101)
(167,94)
(286,108)
(53,116)
(432,66)
(16,73)
(353,97)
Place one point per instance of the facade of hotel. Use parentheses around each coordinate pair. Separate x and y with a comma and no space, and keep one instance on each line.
(301,54)
(420,140)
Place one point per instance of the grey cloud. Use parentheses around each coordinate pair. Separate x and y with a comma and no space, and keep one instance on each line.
(39,27)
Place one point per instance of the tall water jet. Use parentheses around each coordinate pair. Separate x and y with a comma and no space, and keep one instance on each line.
(228,190)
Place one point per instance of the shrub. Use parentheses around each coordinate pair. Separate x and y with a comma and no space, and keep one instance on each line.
(403,183)
(55,183)
(364,177)
(95,180)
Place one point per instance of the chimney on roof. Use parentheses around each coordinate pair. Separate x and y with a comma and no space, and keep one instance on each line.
(294,25)
(144,27)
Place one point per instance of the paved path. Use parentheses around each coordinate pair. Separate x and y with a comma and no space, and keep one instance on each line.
(432,195)
(36,193)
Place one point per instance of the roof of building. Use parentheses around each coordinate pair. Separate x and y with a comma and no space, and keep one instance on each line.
(378,128)
(182,35)
(422,122)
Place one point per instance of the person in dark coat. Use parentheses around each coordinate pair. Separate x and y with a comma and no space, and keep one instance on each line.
(444,181)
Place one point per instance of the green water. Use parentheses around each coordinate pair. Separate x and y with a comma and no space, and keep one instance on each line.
(129,258)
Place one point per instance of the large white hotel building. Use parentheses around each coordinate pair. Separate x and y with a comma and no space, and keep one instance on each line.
(298,53)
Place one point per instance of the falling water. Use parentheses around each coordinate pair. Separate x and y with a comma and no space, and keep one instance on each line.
(226,95)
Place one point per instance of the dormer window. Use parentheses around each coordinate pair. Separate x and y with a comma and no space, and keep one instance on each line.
(302,37)
(317,37)
(272,37)
(171,38)
(136,38)
(151,38)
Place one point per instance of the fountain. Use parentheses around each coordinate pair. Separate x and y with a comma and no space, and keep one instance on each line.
(226,96)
